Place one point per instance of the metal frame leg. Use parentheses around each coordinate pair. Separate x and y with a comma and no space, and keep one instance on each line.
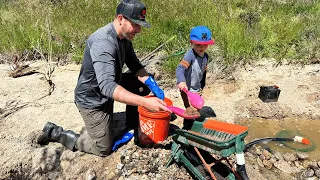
(208,166)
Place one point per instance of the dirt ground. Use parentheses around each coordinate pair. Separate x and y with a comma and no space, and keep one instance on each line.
(25,109)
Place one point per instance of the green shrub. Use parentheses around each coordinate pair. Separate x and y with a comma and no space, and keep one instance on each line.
(242,29)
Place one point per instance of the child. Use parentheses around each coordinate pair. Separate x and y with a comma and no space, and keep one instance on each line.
(191,72)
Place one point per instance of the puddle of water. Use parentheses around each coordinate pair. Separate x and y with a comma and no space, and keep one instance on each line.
(260,128)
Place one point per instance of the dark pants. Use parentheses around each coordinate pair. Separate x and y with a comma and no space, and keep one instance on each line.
(132,84)
(99,139)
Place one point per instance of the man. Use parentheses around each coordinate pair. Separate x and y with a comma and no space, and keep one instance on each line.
(101,81)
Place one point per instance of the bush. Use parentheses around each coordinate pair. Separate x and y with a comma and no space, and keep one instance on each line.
(242,29)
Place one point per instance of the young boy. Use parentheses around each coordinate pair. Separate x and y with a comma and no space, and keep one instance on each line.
(191,72)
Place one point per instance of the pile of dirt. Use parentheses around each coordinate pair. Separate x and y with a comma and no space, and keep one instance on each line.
(191,111)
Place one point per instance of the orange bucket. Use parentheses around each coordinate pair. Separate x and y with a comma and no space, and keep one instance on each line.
(153,126)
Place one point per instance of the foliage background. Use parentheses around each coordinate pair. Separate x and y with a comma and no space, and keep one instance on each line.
(244,30)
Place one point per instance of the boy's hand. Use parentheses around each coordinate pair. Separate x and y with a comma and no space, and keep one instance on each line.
(182,85)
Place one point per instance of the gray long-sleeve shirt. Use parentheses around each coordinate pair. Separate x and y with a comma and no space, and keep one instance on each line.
(192,70)
(104,57)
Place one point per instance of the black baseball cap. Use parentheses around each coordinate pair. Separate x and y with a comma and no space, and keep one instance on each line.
(133,10)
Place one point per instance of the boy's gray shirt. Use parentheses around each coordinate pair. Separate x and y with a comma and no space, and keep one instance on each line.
(104,57)
(194,73)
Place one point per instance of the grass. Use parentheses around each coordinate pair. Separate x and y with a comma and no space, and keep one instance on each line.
(243,29)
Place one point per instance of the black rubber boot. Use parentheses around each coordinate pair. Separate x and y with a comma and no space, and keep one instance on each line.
(54,133)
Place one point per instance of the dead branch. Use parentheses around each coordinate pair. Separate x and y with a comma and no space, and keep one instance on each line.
(11,107)
(155,50)
(126,69)
(48,70)
(18,68)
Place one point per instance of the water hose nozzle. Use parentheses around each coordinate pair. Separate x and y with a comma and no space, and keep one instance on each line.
(301,140)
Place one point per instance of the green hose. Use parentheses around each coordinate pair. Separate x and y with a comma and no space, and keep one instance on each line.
(284,137)
(287,133)
(265,139)
(172,55)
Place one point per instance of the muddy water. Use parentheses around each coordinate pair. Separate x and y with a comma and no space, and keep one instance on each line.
(260,128)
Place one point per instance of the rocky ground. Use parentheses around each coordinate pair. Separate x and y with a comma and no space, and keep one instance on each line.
(25,107)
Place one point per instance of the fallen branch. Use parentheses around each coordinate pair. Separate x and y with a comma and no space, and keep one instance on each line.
(10,108)
(22,71)
(19,69)
(126,69)
(155,50)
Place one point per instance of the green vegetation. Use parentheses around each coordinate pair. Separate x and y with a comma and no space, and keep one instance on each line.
(242,29)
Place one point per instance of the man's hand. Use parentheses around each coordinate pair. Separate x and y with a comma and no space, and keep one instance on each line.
(155,104)
(182,85)
(155,89)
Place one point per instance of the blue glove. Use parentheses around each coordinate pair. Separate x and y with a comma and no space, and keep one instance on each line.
(153,86)
(125,138)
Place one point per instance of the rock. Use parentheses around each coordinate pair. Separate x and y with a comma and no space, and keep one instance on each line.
(91,175)
(133,171)
(119,166)
(313,165)
(306,163)
(289,157)
(68,156)
(249,154)
(262,157)
(317,173)
(307,173)
(127,159)
(297,163)
(150,174)
(155,154)
(124,152)
(258,151)
(302,156)
(267,154)
(251,160)
(267,164)
(255,166)
(260,163)
(318,164)
(117,172)
(285,167)
(311,178)
(53,175)
(120,178)
(144,156)
(130,166)
(273,160)
(278,156)
(135,155)
(142,171)
(295,170)
(145,177)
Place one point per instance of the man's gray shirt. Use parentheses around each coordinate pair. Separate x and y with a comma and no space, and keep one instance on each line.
(104,57)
